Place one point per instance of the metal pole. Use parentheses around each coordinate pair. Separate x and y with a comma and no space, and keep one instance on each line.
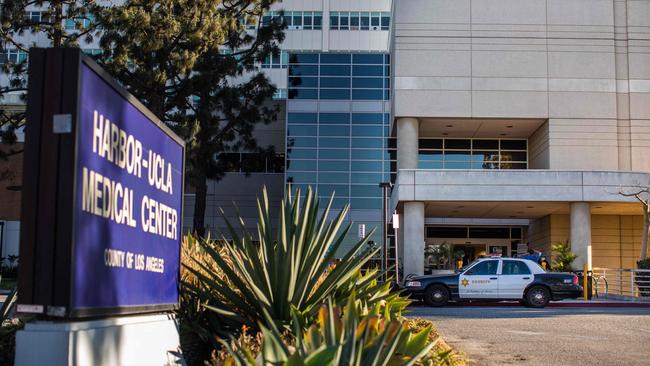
(396,259)
(585,270)
(385,186)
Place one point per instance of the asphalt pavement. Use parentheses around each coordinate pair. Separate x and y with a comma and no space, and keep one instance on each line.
(513,335)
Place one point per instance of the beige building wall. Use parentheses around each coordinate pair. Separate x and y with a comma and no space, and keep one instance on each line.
(615,239)
(584,65)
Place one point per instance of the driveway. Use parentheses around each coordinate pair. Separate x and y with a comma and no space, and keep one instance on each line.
(510,335)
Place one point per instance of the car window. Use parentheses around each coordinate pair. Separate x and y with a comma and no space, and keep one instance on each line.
(515,268)
(484,268)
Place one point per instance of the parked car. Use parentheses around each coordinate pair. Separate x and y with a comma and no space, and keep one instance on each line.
(495,279)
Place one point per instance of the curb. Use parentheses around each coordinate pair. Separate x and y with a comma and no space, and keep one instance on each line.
(592,304)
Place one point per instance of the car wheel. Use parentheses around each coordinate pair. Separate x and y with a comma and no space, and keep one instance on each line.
(538,297)
(436,295)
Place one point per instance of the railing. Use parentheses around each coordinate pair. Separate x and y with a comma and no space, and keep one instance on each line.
(622,283)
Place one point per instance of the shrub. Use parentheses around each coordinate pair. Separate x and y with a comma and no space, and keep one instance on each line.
(242,280)
(344,336)
(643,264)
(563,257)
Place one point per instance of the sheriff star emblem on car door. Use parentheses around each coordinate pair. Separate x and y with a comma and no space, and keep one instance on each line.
(465,282)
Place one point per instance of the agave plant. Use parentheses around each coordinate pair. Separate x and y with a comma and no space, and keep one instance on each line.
(342,336)
(273,273)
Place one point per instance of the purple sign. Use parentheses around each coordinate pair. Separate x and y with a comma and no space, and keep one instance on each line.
(128,201)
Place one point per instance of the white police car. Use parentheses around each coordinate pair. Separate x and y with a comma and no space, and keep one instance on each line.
(495,279)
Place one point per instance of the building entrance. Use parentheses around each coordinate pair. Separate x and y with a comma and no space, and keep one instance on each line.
(449,248)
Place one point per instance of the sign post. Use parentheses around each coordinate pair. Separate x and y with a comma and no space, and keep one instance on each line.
(101,218)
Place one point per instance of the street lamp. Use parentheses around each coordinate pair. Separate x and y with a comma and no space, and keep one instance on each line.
(385,186)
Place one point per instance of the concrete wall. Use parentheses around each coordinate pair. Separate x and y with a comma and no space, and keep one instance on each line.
(564,60)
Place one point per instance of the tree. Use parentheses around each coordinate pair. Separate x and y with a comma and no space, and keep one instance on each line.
(193,63)
(57,23)
(642,194)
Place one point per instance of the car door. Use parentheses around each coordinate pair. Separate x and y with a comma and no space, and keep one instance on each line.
(515,276)
(480,281)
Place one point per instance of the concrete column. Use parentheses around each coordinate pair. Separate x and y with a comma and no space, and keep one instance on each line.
(407,143)
(581,233)
(413,243)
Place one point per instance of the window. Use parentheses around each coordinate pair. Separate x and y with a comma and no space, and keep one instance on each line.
(92,51)
(13,56)
(373,21)
(280,94)
(279,61)
(296,20)
(80,23)
(515,268)
(34,16)
(451,153)
(485,268)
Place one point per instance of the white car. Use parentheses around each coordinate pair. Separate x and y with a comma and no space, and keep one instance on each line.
(495,279)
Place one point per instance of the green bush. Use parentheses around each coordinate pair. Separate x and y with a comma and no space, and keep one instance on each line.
(344,336)
(563,257)
(292,269)
(643,264)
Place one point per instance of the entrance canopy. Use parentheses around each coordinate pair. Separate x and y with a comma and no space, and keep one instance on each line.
(515,193)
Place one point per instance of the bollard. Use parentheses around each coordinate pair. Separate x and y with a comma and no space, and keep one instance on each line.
(585,279)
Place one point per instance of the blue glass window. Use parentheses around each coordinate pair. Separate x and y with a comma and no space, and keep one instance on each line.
(365,203)
(301,164)
(337,189)
(334,130)
(330,177)
(367,94)
(333,165)
(370,154)
(335,58)
(334,154)
(334,118)
(367,118)
(303,70)
(366,178)
(303,82)
(302,177)
(303,93)
(301,130)
(301,142)
(368,83)
(343,94)
(335,70)
(334,142)
(302,153)
(303,58)
(364,58)
(367,143)
(369,131)
(365,166)
(302,118)
(335,82)
(365,190)
(367,70)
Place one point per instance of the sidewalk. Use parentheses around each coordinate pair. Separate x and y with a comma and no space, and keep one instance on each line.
(599,302)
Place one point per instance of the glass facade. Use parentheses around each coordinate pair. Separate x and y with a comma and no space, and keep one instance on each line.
(342,152)
(339,76)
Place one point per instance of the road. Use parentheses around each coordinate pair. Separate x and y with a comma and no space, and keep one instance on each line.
(551,336)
